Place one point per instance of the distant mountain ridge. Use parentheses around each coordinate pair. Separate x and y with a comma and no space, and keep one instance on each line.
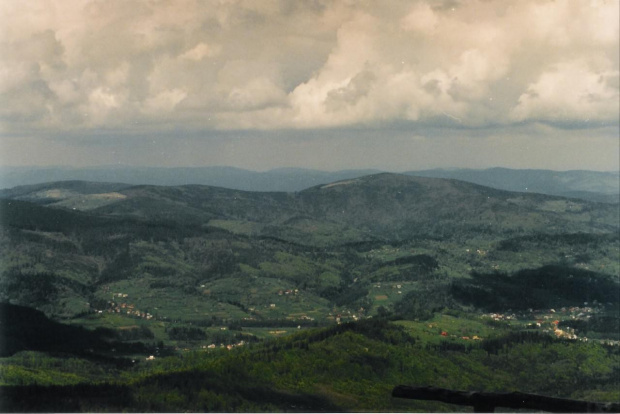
(589,185)
(280,179)
(379,205)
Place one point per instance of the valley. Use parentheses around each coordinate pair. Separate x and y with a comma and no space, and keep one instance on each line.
(205,298)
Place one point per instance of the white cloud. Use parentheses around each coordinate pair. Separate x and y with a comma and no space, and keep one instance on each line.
(165,101)
(421,18)
(571,91)
(77,64)
(201,51)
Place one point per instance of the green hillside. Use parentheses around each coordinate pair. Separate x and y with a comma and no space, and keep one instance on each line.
(291,283)
(348,367)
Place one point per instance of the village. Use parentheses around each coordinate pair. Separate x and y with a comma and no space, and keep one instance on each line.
(125,308)
(551,321)
(548,320)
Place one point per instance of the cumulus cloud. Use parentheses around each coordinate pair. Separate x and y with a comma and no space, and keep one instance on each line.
(570,91)
(276,64)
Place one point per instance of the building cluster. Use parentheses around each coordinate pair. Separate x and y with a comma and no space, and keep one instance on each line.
(128,309)
(465,338)
(574,312)
(345,315)
(499,316)
(288,292)
(566,333)
(222,346)
(394,287)
(480,252)
(547,320)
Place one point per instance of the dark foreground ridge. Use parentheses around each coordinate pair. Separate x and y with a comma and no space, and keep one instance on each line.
(488,401)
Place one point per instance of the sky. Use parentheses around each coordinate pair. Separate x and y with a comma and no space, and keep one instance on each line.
(326,84)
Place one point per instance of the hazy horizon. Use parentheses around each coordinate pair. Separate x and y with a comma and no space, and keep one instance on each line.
(395,171)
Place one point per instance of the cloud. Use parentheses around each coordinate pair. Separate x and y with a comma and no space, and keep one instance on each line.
(200,51)
(77,66)
(421,18)
(571,91)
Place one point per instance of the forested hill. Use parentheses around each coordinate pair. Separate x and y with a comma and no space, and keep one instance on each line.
(377,206)
(589,185)
(197,298)
(76,240)
(403,206)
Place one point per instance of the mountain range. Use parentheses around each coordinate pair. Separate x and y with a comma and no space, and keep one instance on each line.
(591,185)
(313,300)
(161,234)
(381,205)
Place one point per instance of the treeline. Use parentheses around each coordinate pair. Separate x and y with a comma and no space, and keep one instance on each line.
(35,289)
(272,323)
(66,399)
(351,363)
(181,333)
(18,236)
(608,324)
(544,287)
(423,262)
(23,328)
(495,345)
(422,303)
(30,216)
(214,391)
(94,232)
(375,329)
(138,333)
(517,244)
